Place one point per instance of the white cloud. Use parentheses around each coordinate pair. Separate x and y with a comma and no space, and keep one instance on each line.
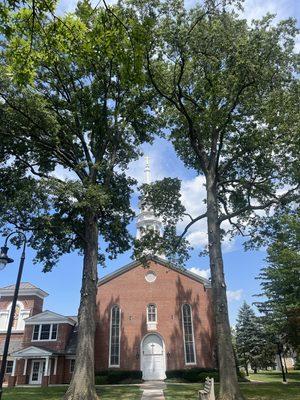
(198,237)
(63,173)
(193,194)
(256,9)
(65,6)
(234,295)
(205,273)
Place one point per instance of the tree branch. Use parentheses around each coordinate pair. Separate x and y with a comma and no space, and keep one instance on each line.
(193,221)
(276,200)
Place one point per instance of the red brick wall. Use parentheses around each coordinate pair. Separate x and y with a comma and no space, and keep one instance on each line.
(33,303)
(14,336)
(63,334)
(169,291)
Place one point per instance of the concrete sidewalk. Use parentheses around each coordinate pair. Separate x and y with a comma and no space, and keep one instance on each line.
(153,390)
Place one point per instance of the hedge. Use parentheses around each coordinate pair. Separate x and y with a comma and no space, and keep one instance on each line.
(193,374)
(117,376)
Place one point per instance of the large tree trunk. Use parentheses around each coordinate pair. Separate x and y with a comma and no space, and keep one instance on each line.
(82,386)
(229,387)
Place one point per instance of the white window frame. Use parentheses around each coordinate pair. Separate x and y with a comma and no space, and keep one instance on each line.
(183,331)
(5,314)
(40,330)
(12,367)
(70,369)
(110,337)
(147,310)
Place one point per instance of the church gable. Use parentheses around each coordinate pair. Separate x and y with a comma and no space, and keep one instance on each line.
(149,260)
(150,300)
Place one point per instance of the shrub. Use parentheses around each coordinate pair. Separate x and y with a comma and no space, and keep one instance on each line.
(203,375)
(100,380)
(297,362)
(193,374)
(197,375)
(117,376)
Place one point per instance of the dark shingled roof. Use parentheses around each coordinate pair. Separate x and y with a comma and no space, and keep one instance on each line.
(72,343)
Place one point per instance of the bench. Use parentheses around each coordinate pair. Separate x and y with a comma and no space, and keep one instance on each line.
(208,392)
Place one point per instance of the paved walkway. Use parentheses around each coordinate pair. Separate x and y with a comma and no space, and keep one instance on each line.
(153,390)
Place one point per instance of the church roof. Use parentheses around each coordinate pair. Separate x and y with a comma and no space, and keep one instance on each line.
(159,260)
(26,288)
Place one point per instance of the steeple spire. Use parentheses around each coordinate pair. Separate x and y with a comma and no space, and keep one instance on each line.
(146,219)
(147,171)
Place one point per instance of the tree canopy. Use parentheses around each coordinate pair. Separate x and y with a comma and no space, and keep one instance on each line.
(280,278)
(82,113)
(75,108)
(229,95)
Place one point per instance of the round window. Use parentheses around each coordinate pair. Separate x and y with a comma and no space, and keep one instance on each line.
(150,276)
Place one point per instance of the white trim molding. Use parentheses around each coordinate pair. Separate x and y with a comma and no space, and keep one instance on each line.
(31,352)
(49,317)
(23,315)
(31,290)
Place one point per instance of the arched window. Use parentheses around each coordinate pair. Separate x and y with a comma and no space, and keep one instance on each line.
(151,313)
(114,350)
(19,317)
(16,317)
(188,334)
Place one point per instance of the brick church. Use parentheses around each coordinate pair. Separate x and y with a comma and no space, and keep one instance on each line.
(151,317)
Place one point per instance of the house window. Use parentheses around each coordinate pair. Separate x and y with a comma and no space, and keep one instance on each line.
(16,317)
(72,365)
(188,334)
(19,316)
(54,332)
(151,313)
(114,357)
(9,367)
(44,332)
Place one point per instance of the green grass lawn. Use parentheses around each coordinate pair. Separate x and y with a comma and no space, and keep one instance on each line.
(275,376)
(252,391)
(56,393)
(270,389)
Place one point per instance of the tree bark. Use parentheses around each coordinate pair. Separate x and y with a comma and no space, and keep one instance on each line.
(229,387)
(82,386)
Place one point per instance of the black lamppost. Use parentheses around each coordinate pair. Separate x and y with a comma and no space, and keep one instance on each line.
(4,260)
(279,352)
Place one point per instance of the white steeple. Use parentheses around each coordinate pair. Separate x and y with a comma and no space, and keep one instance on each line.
(146,219)
(147,171)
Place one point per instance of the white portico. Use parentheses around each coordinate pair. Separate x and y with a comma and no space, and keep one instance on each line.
(38,363)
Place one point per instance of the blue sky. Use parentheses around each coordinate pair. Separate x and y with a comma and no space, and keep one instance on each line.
(241,268)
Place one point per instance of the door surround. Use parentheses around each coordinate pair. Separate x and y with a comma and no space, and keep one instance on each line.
(40,371)
(163,355)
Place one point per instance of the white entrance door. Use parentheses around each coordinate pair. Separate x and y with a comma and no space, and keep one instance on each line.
(37,371)
(153,358)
